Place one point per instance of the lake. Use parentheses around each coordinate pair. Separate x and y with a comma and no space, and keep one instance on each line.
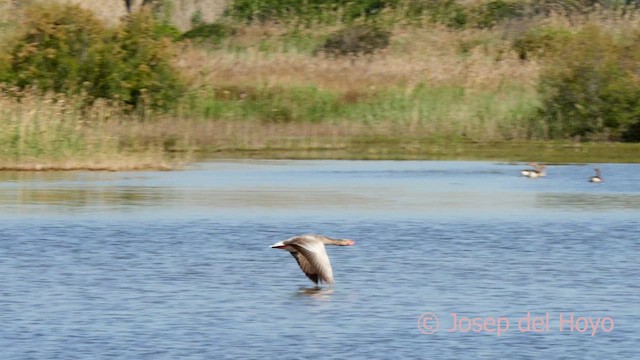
(453,260)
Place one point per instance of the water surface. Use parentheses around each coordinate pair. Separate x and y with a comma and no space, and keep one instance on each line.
(138,265)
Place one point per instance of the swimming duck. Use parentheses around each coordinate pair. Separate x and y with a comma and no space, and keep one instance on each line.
(597,178)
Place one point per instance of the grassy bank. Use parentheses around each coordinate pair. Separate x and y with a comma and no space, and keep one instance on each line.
(50,133)
(262,91)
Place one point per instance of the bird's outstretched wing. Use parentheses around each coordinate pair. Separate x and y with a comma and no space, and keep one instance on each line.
(313,259)
(306,267)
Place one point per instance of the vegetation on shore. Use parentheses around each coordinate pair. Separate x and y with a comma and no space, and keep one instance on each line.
(362,80)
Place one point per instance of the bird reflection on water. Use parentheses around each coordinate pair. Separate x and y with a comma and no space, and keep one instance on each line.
(315,291)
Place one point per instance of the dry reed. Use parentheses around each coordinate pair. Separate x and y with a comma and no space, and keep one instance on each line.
(432,56)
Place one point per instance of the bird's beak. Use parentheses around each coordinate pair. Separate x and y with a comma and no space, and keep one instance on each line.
(278,245)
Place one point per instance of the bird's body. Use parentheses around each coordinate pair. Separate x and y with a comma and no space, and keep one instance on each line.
(597,178)
(311,255)
(527,172)
(539,171)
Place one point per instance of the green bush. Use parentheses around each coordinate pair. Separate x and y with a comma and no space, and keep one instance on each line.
(319,10)
(591,89)
(566,7)
(215,32)
(164,29)
(65,49)
(356,40)
(489,14)
(57,50)
(539,41)
(146,74)
(447,12)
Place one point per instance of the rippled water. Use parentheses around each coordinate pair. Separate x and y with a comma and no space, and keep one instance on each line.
(148,265)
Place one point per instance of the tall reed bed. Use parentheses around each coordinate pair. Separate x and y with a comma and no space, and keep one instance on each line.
(55,131)
(39,133)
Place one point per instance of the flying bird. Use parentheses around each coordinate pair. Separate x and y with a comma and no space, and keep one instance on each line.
(311,254)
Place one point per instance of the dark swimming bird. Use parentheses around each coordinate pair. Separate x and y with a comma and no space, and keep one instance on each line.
(597,178)
(310,253)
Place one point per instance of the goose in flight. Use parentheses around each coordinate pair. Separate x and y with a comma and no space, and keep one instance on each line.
(597,178)
(310,253)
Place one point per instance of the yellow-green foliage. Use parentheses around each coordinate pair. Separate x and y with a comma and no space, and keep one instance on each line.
(356,40)
(592,89)
(540,41)
(65,49)
(146,71)
(56,51)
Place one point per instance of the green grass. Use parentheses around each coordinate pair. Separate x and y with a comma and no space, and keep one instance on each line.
(446,111)
(401,148)
(445,123)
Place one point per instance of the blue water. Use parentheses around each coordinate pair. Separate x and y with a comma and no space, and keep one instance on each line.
(177,265)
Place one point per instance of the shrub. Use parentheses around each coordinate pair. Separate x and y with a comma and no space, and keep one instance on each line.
(164,29)
(537,42)
(564,7)
(446,12)
(356,40)
(321,10)
(146,64)
(215,32)
(493,12)
(365,8)
(57,50)
(591,89)
(65,49)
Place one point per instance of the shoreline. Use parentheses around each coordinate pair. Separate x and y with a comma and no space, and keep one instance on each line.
(537,151)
